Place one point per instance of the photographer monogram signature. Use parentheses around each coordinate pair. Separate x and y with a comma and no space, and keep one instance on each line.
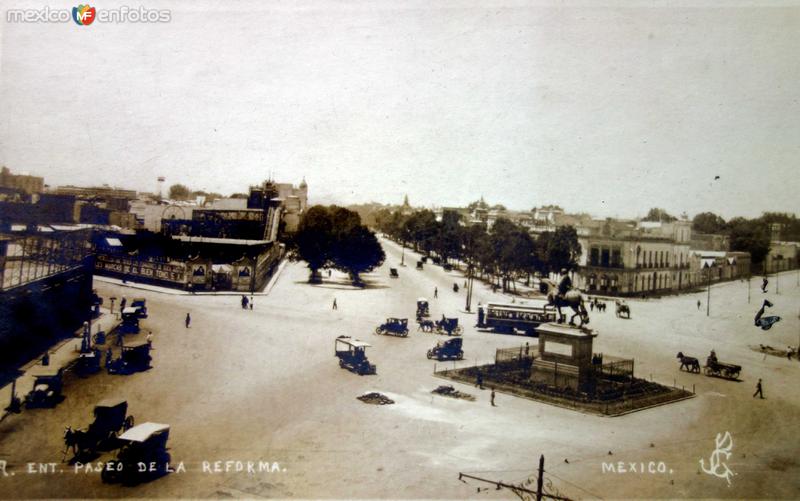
(716,463)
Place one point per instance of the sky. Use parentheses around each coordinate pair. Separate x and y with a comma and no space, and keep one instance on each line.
(608,108)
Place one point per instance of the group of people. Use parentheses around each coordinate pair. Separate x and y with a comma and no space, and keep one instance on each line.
(596,303)
(247,302)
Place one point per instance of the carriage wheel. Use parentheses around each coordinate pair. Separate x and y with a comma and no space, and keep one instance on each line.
(458,330)
(430,354)
(378,330)
(460,355)
(707,371)
(341,363)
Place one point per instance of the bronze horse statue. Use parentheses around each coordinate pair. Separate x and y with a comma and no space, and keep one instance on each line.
(573,299)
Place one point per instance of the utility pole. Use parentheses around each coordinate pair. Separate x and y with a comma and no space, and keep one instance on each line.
(748,288)
(708,297)
(403,255)
(518,490)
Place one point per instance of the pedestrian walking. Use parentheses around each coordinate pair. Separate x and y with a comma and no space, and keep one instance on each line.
(527,348)
(46,358)
(591,305)
(435,292)
(698,304)
(252,301)
(479,379)
(329,273)
(150,338)
(759,391)
(335,306)
(492,397)
(245,301)
(188,320)
(122,304)
(764,284)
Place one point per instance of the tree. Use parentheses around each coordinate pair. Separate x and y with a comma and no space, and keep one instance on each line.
(357,251)
(657,214)
(708,222)
(450,235)
(559,249)
(749,236)
(179,192)
(313,240)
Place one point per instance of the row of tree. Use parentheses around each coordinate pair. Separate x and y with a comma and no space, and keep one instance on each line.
(333,237)
(503,253)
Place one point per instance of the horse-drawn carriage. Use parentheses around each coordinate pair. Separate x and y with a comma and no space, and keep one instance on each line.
(393,326)
(352,355)
(448,326)
(110,417)
(143,455)
(393,273)
(448,349)
(133,358)
(716,368)
(622,309)
(423,310)
(47,385)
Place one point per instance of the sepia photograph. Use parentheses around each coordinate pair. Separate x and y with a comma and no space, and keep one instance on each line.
(400,250)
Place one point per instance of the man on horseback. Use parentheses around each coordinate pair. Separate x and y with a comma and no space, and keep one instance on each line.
(565,295)
(564,285)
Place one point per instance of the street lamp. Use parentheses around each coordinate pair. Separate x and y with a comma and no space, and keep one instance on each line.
(707,266)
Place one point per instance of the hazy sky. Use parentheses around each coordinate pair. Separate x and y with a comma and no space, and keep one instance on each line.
(607,108)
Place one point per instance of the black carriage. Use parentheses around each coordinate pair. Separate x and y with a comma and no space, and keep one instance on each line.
(140,304)
(423,309)
(393,273)
(47,386)
(130,321)
(352,355)
(419,265)
(110,417)
(716,368)
(143,455)
(448,326)
(133,358)
(450,349)
(88,363)
(394,327)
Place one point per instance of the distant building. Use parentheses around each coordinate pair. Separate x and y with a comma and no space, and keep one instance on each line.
(710,242)
(103,192)
(25,183)
(782,256)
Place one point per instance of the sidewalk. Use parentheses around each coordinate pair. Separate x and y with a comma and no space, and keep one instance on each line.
(61,355)
(180,292)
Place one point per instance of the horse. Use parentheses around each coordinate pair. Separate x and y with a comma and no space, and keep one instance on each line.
(425,325)
(622,309)
(75,440)
(573,298)
(690,363)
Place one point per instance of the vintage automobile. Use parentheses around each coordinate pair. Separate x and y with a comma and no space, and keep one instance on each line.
(130,320)
(110,417)
(449,349)
(352,355)
(448,326)
(141,304)
(47,385)
(88,362)
(134,357)
(143,455)
(394,326)
(423,309)
(393,273)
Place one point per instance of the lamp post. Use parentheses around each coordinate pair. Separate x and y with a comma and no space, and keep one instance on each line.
(708,297)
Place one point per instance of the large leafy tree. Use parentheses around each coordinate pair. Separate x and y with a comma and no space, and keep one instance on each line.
(559,249)
(357,251)
(750,236)
(658,214)
(708,222)
(179,192)
(313,240)
(450,235)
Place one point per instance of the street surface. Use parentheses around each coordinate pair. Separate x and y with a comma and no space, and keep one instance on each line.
(264,385)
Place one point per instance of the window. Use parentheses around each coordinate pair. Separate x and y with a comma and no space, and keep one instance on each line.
(594,257)
(604,258)
(616,258)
